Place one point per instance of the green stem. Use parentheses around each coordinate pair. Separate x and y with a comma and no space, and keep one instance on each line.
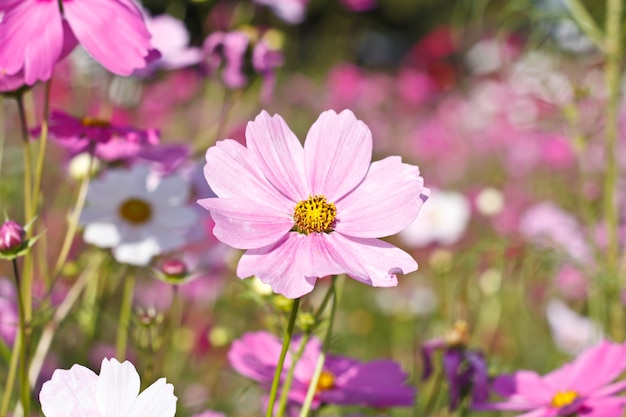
(292,369)
(613,51)
(585,21)
(124,320)
(319,366)
(8,388)
(281,360)
(24,356)
(43,140)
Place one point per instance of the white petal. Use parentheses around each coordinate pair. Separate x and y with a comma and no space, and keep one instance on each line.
(70,393)
(103,235)
(118,387)
(136,253)
(158,400)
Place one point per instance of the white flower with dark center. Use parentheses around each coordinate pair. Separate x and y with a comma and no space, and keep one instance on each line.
(137,215)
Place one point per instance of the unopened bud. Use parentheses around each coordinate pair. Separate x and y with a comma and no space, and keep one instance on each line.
(173,271)
(11,236)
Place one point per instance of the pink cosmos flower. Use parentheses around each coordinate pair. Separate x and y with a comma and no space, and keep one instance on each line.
(291,11)
(231,46)
(115,392)
(344,381)
(583,387)
(36,34)
(111,141)
(307,212)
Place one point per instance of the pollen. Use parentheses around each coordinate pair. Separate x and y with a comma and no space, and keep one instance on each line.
(326,381)
(563,398)
(314,215)
(135,211)
(94,122)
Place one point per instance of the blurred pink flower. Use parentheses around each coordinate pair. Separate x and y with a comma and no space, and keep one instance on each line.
(36,34)
(344,381)
(359,5)
(115,392)
(582,387)
(171,38)
(111,141)
(9,318)
(305,213)
(231,48)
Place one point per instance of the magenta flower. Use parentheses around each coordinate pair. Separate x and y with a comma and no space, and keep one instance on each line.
(115,392)
(583,387)
(307,212)
(12,236)
(344,381)
(36,34)
(112,142)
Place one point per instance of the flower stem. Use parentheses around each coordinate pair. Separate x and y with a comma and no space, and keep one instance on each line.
(24,347)
(289,380)
(124,320)
(43,140)
(613,51)
(310,394)
(283,354)
(13,365)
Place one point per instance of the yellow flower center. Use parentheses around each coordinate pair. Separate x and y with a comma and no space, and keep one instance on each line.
(326,381)
(135,211)
(94,122)
(314,215)
(563,398)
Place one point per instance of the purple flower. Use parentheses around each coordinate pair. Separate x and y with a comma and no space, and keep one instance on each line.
(36,34)
(344,381)
(11,236)
(112,142)
(307,212)
(583,387)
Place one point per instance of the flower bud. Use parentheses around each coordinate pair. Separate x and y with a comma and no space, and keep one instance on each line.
(11,236)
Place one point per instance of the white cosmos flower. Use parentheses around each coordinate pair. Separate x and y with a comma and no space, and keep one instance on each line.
(443,220)
(114,393)
(572,332)
(137,215)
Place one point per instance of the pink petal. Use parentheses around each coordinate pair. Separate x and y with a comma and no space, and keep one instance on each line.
(118,387)
(158,400)
(279,154)
(371,261)
(232,171)
(605,407)
(532,388)
(386,202)
(292,265)
(112,31)
(70,393)
(31,35)
(245,224)
(597,366)
(337,152)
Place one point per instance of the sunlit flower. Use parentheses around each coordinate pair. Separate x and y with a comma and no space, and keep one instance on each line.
(344,381)
(307,212)
(136,215)
(78,391)
(582,387)
(36,34)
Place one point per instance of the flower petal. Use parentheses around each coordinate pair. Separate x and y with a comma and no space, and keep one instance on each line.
(118,386)
(158,400)
(386,202)
(70,393)
(279,153)
(337,153)
(245,224)
(103,235)
(595,367)
(292,265)
(112,31)
(371,261)
(31,34)
(232,172)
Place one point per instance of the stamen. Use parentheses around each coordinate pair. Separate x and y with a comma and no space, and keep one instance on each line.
(326,381)
(314,215)
(135,211)
(94,122)
(563,398)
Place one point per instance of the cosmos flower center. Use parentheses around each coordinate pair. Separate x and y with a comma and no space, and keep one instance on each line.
(326,381)
(135,211)
(94,122)
(314,214)
(563,398)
